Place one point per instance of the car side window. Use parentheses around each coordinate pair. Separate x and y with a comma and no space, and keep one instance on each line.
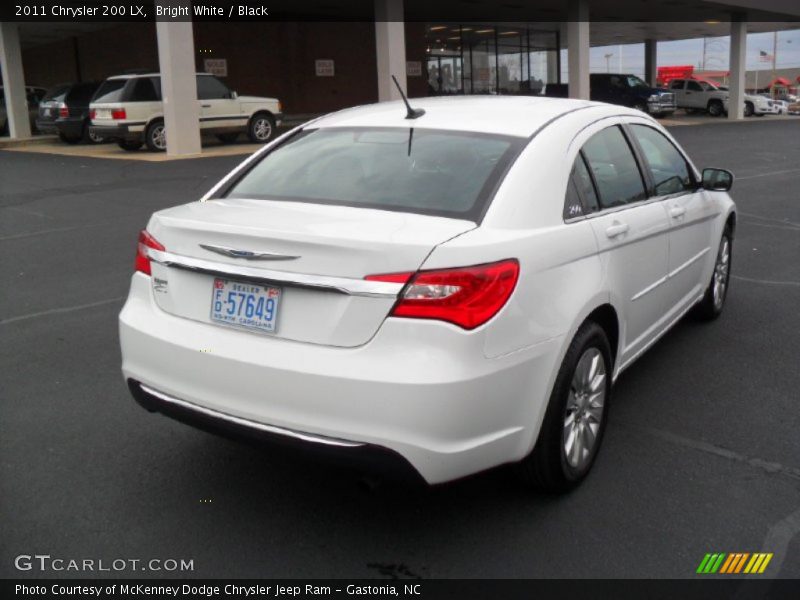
(677,84)
(581,197)
(671,173)
(614,168)
(211,88)
(694,86)
(145,90)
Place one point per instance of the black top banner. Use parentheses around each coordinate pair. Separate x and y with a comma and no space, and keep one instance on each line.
(540,11)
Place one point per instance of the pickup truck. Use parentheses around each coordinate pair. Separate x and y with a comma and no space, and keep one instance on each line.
(693,94)
(629,90)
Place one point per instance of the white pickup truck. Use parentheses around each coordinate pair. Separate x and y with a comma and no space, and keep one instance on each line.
(693,94)
(129,110)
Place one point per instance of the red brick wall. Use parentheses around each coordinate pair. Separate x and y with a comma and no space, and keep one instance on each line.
(264,58)
(277,59)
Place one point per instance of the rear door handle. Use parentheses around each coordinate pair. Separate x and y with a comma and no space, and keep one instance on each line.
(616,229)
(205,105)
(676,212)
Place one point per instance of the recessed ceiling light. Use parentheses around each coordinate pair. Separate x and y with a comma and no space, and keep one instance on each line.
(438,27)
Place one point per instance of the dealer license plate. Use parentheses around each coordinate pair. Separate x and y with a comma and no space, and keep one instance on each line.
(102,113)
(244,304)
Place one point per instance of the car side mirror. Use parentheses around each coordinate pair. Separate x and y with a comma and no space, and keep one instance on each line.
(717,180)
(234,95)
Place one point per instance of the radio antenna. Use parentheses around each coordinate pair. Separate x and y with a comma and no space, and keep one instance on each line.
(413,113)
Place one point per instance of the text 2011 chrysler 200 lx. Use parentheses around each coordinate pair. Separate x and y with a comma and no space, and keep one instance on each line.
(459,284)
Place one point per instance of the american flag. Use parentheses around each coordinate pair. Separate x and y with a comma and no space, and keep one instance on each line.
(764,56)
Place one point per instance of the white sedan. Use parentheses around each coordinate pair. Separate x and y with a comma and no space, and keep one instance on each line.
(456,287)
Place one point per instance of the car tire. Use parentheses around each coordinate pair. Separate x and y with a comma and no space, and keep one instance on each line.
(748,109)
(88,137)
(576,415)
(713,301)
(228,138)
(155,136)
(129,145)
(68,139)
(261,128)
(715,108)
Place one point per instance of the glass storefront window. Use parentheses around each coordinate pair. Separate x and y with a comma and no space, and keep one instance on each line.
(490,59)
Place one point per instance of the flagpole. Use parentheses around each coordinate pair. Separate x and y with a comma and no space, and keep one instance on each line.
(774,61)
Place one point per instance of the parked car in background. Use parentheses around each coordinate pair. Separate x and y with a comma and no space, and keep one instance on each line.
(781,107)
(129,110)
(693,95)
(380,280)
(33,95)
(697,95)
(793,108)
(65,111)
(631,91)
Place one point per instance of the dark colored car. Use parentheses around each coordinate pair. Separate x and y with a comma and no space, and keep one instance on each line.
(629,90)
(65,111)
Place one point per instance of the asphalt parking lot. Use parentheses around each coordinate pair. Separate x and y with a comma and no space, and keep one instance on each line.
(702,453)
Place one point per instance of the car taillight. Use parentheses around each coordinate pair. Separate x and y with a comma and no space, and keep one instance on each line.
(118,113)
(466,296)
(142,260)
(63,111)
(93,114)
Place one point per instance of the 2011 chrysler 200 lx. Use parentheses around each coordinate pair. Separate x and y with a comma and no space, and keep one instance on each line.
(460,287)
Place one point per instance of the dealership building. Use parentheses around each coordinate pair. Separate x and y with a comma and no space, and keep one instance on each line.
(316,63)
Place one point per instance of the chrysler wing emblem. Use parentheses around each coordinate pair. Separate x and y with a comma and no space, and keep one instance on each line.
(247,254)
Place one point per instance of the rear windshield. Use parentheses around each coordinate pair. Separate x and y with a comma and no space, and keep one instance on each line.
(110,91)
(443,173)
(57,94)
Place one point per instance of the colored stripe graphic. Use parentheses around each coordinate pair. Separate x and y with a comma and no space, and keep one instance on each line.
(703,563)
(733,563)
(766,562)
(728,564)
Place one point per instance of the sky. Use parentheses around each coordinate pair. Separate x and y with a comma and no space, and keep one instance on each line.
(630,58)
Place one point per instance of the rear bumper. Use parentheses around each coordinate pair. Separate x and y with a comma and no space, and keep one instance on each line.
(419,389)
(118,131)
(46,126)
(373,458)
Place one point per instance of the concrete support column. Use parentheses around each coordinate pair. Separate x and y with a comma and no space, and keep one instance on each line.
(179,86)
(578,49)
(14,82)
(390,47)
(737,67)
(650,62)
(552,66)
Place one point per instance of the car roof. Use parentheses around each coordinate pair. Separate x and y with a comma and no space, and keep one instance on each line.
(518,116)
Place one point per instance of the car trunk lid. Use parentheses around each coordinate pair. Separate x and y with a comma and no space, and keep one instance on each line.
(317,255)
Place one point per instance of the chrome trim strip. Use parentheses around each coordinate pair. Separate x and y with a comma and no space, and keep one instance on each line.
(342,285)
(306,437)
(669,275)
(649,288)
(247,254)
(695,258)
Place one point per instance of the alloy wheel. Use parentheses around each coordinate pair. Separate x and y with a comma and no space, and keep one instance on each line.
(262,129)
(159,137)
(584,411)
(721,272)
